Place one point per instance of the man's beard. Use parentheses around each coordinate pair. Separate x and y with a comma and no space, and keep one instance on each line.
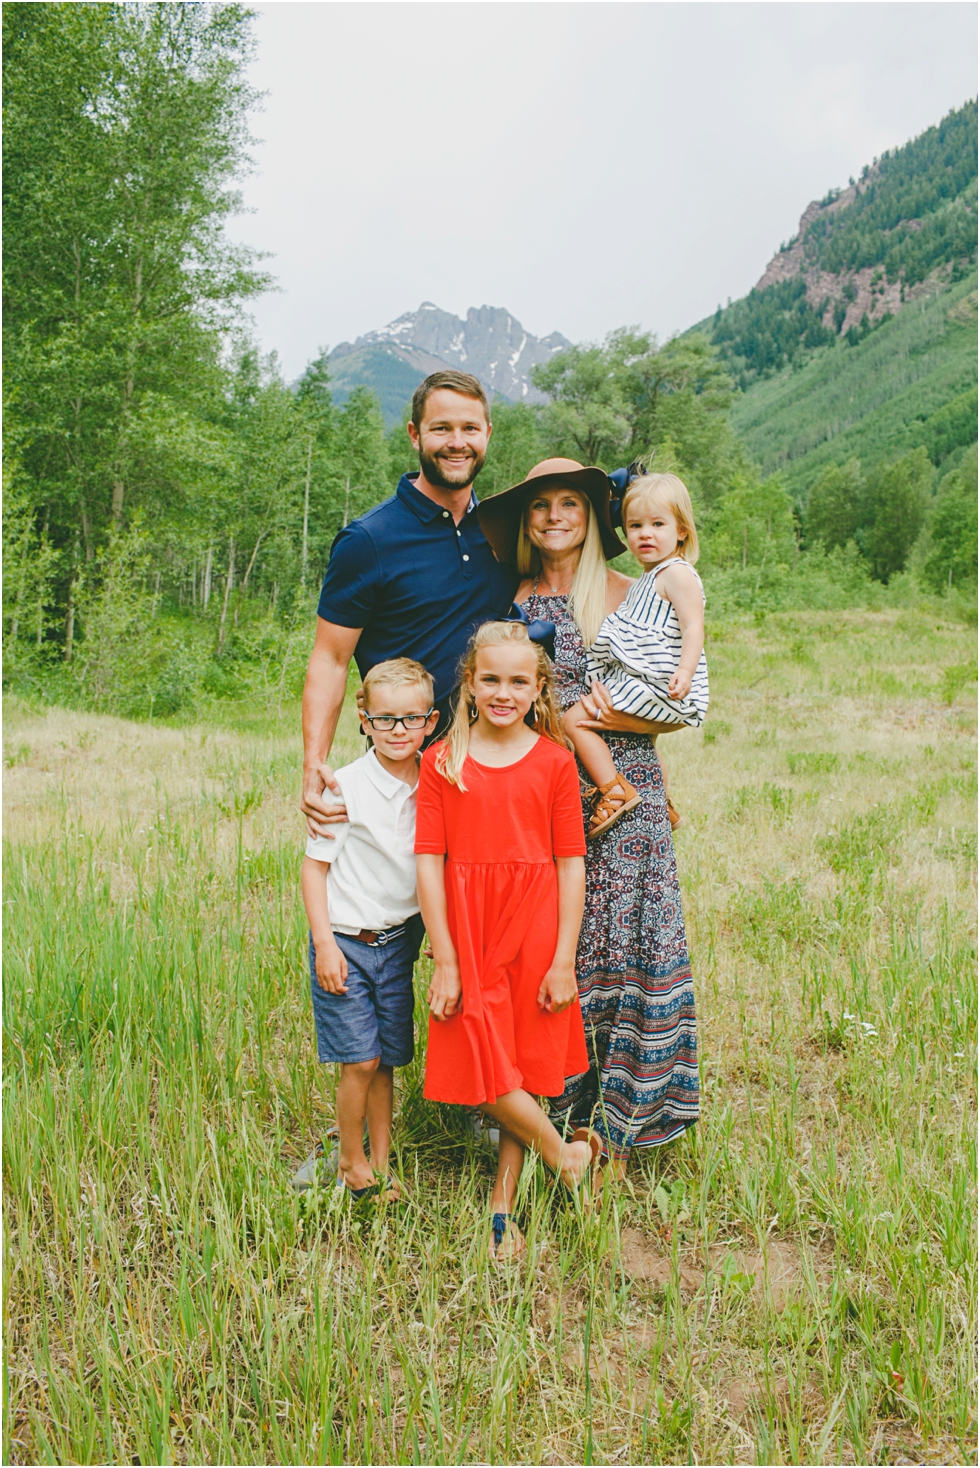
(436,476)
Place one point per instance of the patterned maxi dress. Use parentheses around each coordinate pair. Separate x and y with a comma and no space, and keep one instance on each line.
(633,972)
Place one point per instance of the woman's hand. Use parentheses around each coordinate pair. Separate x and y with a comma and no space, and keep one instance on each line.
(445,990)
(558,988)
(609,720)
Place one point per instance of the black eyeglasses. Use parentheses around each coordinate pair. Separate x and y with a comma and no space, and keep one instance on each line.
(387,722)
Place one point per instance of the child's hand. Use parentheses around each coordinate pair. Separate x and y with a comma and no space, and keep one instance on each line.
(331,968)
(445,991)
(680,684)
(558,988)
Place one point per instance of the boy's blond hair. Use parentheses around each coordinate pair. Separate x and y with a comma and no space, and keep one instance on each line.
(396,673)
(671,492)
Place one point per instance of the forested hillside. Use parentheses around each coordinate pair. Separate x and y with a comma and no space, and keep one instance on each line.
(911,382)
(905,229)
(857,356)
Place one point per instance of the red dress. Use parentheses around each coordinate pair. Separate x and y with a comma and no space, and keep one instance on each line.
(500,837)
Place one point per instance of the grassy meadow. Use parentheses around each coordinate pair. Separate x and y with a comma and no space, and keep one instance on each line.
(794,1281)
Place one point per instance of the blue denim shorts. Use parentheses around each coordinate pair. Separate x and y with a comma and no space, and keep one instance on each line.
(374,1018)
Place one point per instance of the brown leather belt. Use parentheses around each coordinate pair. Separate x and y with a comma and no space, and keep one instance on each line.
(376,940)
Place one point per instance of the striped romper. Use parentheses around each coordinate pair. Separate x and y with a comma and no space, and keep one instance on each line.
(637,652)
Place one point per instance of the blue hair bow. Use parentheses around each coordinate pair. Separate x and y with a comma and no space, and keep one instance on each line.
(620,480)
(538,630)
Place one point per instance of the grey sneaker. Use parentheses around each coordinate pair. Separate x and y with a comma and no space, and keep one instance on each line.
(482,1134)
(318,1167)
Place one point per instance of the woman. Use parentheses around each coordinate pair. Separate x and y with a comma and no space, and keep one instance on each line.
(633,972)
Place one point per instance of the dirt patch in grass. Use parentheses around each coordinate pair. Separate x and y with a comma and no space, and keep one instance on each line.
(774,1274)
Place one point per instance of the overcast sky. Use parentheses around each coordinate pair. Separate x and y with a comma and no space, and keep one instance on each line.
(586,165)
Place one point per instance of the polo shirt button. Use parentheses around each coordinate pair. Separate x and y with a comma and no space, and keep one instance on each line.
(445,514)
(466,558)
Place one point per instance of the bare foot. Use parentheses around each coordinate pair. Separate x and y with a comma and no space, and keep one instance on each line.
(356,1176)
(613,1169)
(576,1159)
(511,1246)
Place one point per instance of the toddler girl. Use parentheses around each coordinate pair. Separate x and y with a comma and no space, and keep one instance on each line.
(501,881)
(649,654)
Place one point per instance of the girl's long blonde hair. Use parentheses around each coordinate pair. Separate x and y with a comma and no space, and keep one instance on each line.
(547,719)
(587,602)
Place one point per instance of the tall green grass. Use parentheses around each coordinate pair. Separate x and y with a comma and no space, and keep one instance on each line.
(794,1281)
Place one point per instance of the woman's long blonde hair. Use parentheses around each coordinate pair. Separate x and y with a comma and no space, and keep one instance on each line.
(547,719)
(587,602)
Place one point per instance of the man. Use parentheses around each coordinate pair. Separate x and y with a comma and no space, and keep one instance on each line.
(411,578)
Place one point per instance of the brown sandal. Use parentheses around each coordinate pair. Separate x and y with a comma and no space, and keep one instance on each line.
(606,812)
(590,1135)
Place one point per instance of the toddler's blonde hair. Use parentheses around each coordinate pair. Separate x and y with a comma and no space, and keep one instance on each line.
(396,673)
(670,492)
(547,719)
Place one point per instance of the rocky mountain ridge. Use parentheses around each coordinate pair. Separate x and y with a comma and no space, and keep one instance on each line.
(906,230)
(863,293)
(490,343)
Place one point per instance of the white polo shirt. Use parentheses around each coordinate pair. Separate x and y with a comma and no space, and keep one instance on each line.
(371,880)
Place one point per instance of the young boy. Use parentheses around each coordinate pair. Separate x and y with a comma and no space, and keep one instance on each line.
(365,929)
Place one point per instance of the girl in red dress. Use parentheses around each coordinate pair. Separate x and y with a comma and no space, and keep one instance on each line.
(501,880)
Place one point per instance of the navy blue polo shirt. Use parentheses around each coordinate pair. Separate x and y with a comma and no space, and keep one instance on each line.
(416,582)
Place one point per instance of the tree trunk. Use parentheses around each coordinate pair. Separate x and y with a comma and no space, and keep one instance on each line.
(87,533)
(248,571)
(70,612)
(346,499)
(206,594)
(251,563)
(306,515)
(229,582)
(129,386)
(40,594)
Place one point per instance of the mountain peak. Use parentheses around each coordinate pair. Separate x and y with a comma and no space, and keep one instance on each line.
(490,343)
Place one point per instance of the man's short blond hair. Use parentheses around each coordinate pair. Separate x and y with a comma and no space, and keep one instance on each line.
(396,673)
(671,493)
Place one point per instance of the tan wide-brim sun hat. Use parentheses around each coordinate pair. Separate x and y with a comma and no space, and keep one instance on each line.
(500,515)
